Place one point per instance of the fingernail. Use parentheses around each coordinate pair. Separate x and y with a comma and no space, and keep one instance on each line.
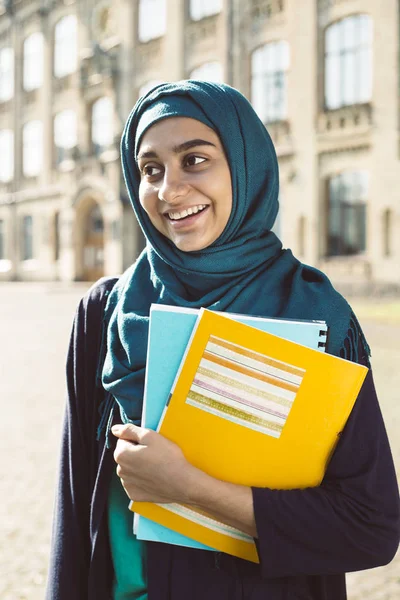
(116,429)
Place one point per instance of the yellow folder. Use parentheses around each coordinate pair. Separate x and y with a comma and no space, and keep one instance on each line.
(254,409)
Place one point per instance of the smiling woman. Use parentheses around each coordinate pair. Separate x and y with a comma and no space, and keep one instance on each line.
(202,176)
(185,185)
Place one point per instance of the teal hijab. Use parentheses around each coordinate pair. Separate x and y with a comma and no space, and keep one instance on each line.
(244,271)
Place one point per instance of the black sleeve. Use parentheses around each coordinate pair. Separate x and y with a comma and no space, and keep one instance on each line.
(351,521)
(70,550)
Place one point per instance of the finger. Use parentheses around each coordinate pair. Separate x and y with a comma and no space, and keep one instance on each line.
(127,432)
(123,450)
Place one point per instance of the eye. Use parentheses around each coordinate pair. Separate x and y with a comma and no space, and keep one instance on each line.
(193,160)
(150,171)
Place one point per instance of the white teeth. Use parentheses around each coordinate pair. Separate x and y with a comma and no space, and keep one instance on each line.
(184,213)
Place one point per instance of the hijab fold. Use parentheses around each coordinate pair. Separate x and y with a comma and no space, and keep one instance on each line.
(244,271)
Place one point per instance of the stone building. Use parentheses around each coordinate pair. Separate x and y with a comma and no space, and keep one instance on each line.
(322,74)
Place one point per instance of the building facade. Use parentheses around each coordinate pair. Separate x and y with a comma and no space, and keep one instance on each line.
(323,75)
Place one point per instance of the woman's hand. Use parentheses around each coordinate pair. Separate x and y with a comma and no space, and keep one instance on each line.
(151,468)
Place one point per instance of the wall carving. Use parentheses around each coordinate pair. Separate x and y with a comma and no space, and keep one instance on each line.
(60,84)
(30,98)
(265,9)
(262,13)
(357,117)
(98,65)
(327,4)
(6,107)
(280,133)
(198,31)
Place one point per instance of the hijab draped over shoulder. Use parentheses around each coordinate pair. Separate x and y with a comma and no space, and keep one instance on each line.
(244,271)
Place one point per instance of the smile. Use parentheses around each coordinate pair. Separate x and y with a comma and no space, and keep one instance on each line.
(193,210)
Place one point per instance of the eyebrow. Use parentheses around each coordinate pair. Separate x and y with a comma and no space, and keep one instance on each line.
(177,149)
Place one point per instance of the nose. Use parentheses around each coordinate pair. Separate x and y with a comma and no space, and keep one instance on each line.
(173,188)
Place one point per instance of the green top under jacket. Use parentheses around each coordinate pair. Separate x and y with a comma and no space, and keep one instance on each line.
(128,553)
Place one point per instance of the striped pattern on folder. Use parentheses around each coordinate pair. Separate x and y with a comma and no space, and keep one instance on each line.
(245,387)
(207,521)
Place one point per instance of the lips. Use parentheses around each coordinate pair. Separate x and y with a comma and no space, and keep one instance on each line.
(189,222)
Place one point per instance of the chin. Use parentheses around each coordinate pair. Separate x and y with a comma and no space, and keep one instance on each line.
(191,246)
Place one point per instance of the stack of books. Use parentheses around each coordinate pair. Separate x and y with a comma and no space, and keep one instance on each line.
(214,379)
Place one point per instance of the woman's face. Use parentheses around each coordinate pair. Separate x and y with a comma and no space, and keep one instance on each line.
(185,182)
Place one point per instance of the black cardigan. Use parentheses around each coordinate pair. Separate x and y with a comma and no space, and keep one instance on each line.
(307,539)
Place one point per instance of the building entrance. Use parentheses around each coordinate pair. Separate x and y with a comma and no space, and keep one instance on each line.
(93,244)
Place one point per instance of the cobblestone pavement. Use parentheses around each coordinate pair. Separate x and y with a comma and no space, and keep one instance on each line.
(35,320)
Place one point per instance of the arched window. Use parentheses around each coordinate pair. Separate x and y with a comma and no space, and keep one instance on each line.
(387,232)
(6,74)
(348,62)
(210,71)
(199,9)
(32,148)
(347,213)
(27,237)
(33,61)
(65,134)
(65,46)
(102,124)
(7,155)
(269,66)
(95,223)
(152,19)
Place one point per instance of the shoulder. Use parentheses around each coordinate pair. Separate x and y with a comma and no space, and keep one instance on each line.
(89,312)
(99,291)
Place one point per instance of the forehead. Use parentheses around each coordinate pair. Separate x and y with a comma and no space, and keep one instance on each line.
(173,131)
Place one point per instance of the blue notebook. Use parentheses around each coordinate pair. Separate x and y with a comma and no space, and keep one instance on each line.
(169,333)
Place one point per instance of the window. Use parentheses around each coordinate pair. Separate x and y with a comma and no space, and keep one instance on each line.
(348,62)
(33,61)
(27,237)
(6,74)
(32,151)
(102,124)
(7,155)
(65,134)
(204,8)
(152,19)
(211,71)
(347,213)
(65,46)
(95,223)
(387,232)
(269,65)
(2,240)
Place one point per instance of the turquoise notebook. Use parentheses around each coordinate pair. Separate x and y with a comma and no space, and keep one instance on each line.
(169,332)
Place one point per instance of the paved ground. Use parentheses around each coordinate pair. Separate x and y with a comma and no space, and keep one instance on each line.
(34,327)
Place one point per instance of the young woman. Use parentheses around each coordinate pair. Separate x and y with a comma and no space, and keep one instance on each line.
(202,176)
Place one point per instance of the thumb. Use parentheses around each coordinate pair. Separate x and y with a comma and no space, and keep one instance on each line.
(127,432)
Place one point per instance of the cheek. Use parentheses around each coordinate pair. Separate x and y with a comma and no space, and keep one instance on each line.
(147,199)
(225,196)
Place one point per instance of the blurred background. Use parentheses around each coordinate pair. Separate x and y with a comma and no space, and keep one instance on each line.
(323,75)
